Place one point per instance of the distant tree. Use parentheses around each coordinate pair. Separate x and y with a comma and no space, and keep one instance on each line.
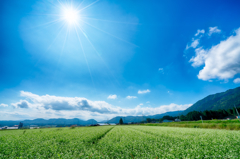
(167,117)
(20,125)
(120,121)
(183,118)
(225,113)
(230,112)
(234,112)
(149,120)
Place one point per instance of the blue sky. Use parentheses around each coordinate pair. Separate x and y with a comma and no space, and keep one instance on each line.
(108,58)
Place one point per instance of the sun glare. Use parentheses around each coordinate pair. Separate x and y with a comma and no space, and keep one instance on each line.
(70,15)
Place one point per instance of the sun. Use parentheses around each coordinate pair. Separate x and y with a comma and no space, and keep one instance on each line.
(70,15)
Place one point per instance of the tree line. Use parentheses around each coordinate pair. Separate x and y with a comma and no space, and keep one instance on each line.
(195,115)
(210,114)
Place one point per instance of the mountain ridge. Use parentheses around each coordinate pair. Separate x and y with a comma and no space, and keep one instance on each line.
(223,100)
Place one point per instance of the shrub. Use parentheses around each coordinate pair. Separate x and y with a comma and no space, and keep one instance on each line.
(72,127)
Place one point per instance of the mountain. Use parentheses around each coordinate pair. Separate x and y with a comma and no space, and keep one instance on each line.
(43,122)
(76,121)
(127,119)
(223,100)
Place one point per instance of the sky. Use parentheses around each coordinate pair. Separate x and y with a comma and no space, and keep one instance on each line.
(100,59)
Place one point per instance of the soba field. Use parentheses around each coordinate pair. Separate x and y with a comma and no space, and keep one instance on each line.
(120,142)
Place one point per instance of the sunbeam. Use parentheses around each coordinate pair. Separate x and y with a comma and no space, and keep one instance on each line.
(46,24)
(73,17)
(84,56)
(83,32)
(111,21)
(88,5)
(107,33)
(61,28)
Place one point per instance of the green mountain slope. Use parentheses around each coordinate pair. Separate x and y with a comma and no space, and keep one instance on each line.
(224,100)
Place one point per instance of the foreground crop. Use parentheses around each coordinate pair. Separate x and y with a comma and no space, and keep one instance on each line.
(120,142)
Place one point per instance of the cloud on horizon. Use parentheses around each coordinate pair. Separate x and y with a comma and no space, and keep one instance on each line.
(70,107)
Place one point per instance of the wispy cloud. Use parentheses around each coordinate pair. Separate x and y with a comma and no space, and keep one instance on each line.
(213,30)
(194,44)
(195,40)
(200,32)
(131,97)
(114,96)
(144,91)
(161,70)
(3,105)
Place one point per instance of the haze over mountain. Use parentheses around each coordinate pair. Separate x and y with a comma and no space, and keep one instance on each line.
(127,119)
(43,122)
(75,121)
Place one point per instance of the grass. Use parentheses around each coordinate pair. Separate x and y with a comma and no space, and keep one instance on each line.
(119,142)
(211,124)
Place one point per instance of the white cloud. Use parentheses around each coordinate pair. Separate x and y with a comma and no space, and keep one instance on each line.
(237,80)
(22,104)
(169,93)
(144,91)
(200,32)
(213,30)
(48,106)
(222,61)
(200,57)
(114,96)
(3,105)
(139,105)
(131,97)
(161,109)
(161,70)
(147,102)
(195,41)
(194,44)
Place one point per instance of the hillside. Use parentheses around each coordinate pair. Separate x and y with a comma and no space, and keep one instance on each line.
(127,119)
(224,100)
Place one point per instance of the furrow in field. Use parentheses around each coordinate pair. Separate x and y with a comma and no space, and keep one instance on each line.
(127,142)
(51,143)
(101,136)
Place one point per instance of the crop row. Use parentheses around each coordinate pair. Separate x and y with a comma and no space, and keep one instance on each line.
(160,142)
(120,142)
(51,143)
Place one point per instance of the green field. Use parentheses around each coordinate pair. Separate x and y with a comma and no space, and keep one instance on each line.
(120,142)
(212,124)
